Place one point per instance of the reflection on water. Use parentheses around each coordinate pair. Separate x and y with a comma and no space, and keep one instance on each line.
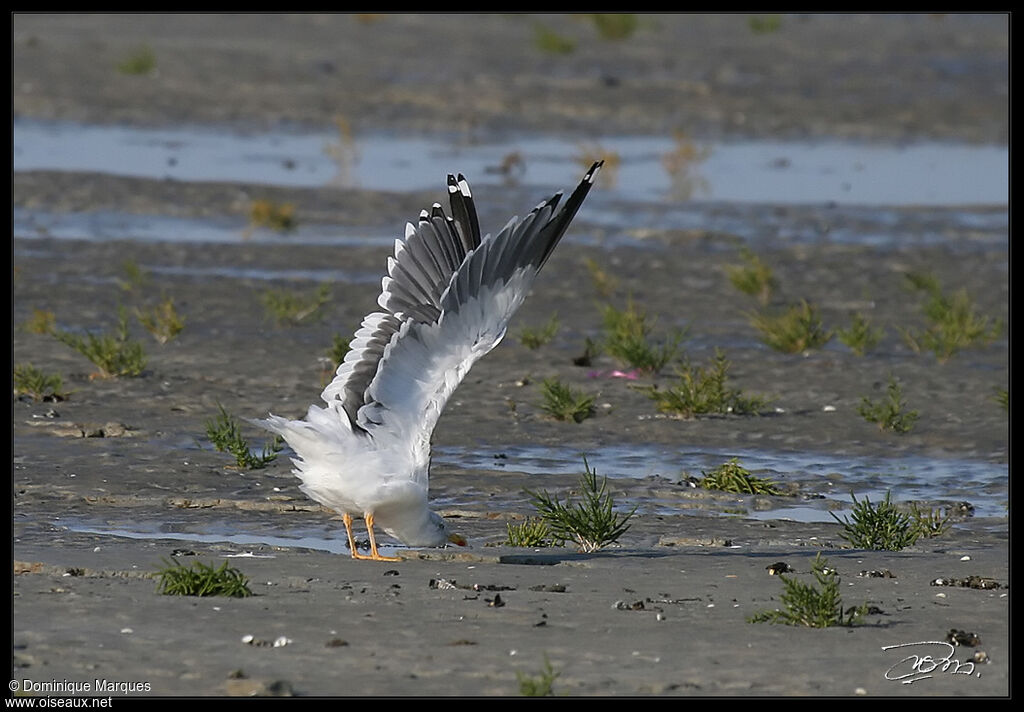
(646,168)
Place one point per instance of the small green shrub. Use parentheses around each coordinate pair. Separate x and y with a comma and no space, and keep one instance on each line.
(764,24)
(41,322)
(564,403)
(754,277)
(614,25)
(953,322)
(540,685)
(279,217)
(547,40)
(881,527)
(889,414)
(929,523)
(592,523)
(795,330)
(37,385)
(627,338)
(603,282)
(815,607)
(202,580)
(162,321)
(140,60)
(535,338)
(700,391)
(531,533)
(224,433)
(289,308)
(340,347)
(733,477)
(860,337)
(114,354)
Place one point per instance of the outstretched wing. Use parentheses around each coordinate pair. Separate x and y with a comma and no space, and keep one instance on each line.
(446,301)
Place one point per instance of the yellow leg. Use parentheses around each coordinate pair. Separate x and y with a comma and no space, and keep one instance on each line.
(374,554)
(373,542)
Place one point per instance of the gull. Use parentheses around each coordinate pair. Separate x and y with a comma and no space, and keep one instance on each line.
(445,302)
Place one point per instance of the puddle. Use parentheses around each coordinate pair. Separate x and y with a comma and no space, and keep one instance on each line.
(649,169)
(985,485)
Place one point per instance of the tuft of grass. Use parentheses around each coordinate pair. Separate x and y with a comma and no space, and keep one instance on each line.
(732,477)
(1002,397)
(340,346)
(533,532)
(37,385)
(162,321)
(881,527)
(564,403)
(114,354)
(818,606)
(547,40)
(592,523)
(888,414)
(223,431)
(201,579)
(860,337)
(540,685)
(41,322)
(753,277)
(627,338)
(953,321)
(764,24)
(614,25)
(603,282)
(139,61)
(929,522)
(535,338)
(700,391)
(795,330)
(274,216)
(134,276)
(290,308)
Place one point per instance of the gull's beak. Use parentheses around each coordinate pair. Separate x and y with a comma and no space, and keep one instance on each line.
(457,539)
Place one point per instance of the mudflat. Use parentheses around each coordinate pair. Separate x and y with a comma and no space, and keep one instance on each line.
(119,478)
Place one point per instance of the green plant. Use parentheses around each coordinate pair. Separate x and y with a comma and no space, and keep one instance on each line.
(162,321)
(793,331)
(592,523)
(614,25)
(1002,397)
(271,215)
(340,346)
(41,322)
(733,477)
(202,580)
(929,522)
(532,532)
(224,433)
(547,40)
(140,60)
(764,24)
(603,282)
(134,276)
(114,354)
(860,337)
(808,605)
(39,386)
(564,403)
(888,414)
(291,308)
(881,527)
(541,685)
(702,390)
(953,322)
(535,338)
(626,338)
(753,277)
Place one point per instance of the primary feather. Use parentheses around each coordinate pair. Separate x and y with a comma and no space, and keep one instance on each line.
(446,301)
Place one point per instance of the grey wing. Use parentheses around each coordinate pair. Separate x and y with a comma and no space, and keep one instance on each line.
(438,320)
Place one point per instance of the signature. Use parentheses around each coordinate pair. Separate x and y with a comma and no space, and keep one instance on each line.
(921,664)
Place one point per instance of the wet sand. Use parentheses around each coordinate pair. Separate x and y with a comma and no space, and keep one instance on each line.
(663,613)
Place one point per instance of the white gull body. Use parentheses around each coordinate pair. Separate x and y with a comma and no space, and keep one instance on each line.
(446,301)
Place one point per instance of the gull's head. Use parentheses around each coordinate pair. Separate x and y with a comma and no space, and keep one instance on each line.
(443,534)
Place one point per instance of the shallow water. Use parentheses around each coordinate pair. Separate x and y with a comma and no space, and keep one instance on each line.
(650,168)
